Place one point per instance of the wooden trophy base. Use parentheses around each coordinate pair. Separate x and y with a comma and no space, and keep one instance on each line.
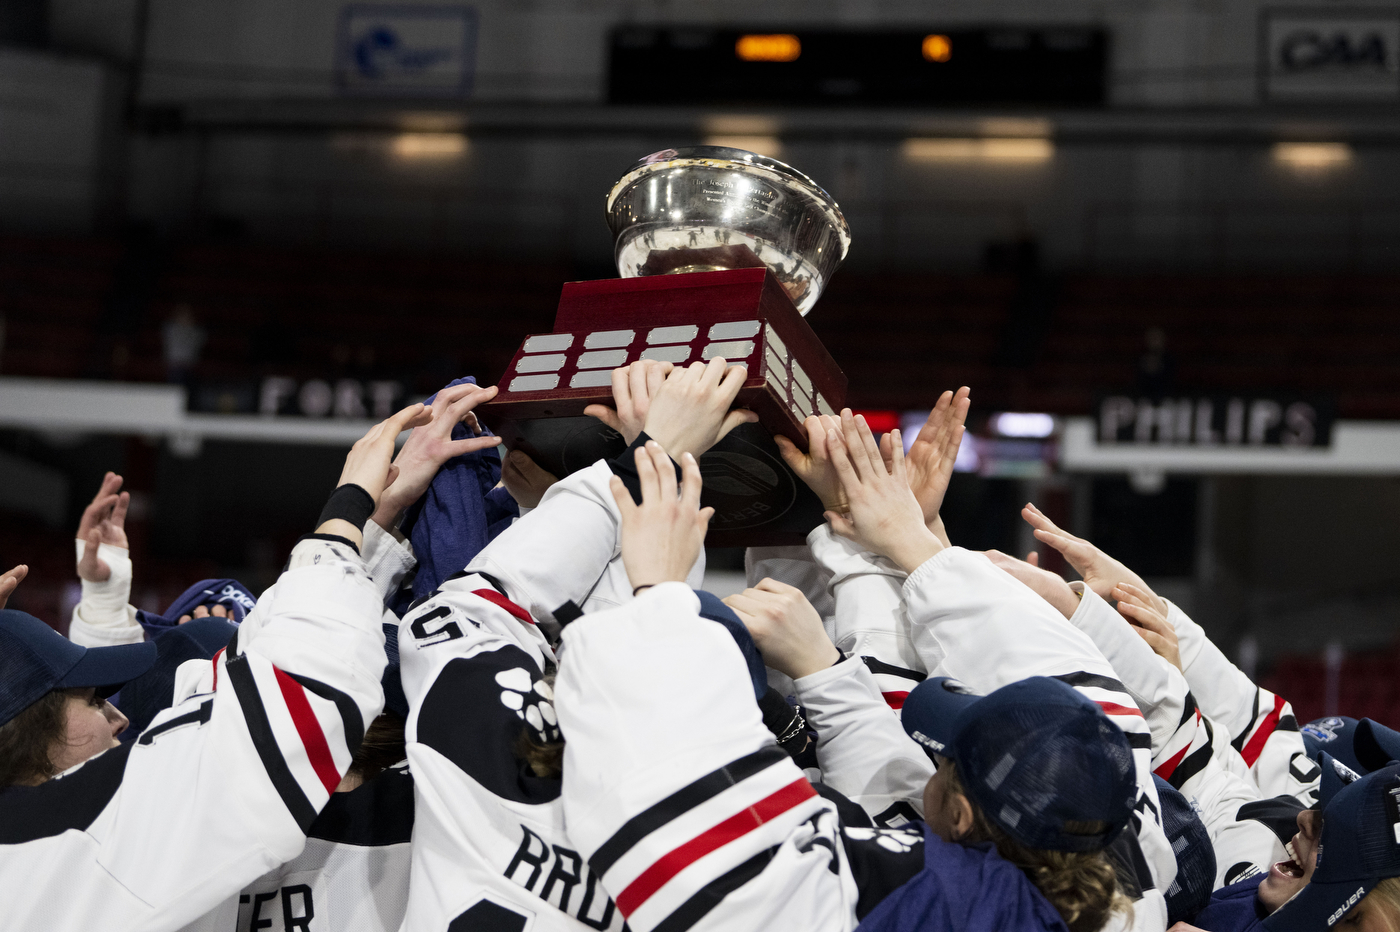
(742,315)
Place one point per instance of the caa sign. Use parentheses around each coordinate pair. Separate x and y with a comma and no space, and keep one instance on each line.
(1332,54)
(407,51)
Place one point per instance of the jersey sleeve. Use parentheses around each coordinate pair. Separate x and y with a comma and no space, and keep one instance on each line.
(387,559)
(102,617)
(862,749)
(1260,725)
(222,787)
(556,554)
(869,618)
(992,630)
(674,791)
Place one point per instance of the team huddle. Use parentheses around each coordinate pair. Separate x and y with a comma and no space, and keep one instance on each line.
(481,697)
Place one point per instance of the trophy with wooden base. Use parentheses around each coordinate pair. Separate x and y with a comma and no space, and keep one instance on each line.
(722,252)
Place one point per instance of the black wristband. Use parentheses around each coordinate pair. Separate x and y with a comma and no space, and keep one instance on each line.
(625,467)
(348,503)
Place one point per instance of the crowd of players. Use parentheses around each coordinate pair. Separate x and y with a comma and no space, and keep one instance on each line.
(437,719)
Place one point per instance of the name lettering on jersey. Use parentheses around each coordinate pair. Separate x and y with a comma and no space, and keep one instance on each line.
(296,913)
(199,716)
(553,873)
(440,633)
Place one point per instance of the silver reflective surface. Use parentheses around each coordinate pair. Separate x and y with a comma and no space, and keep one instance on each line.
(705,208)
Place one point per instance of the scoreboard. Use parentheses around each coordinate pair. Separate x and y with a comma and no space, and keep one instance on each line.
(701,65)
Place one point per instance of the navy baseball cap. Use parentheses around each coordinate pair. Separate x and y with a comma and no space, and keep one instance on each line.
(1332,734)
(35,659)
(1042,761)
(1360,847)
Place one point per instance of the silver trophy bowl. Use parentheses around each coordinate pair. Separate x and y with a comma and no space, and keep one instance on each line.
(707,208)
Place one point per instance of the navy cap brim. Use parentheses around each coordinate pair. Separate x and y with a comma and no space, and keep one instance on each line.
(931,711)
(109,668)
(1316,903)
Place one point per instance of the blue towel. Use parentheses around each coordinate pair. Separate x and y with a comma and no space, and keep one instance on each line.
(460,514)
(964,888)
(229,593)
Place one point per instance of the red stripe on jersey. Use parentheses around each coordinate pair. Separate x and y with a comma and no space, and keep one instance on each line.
(317,751)
(1255,747)
(1110,708)
(495,598)
(1168,766)
(732,828)
(896,699)
(215,661)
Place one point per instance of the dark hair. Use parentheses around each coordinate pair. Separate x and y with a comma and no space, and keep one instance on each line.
(1083,886)
(545,760)
(27,740)
(382,747)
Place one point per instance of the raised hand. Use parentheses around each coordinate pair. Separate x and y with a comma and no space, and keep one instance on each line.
(690,412)
(929,463)
(885,517)
(633,385)
(661,537)
(1043,583)
(10,580)
(814,467)
(785,628)
(1100,571)
(430,445)
(524,479)
(103,522)
(368,464)
(1139,607)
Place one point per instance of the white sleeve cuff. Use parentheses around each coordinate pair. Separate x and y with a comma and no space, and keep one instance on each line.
(387,559)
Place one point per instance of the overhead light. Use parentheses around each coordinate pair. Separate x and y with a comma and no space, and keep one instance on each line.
(770,146)
(937,48)
(978,150)
(1312,156)
(776,47)
(1035,127)
(1023,424)
(428,146)
(740,124)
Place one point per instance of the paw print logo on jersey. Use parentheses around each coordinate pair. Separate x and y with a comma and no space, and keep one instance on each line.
(895,840)
(532,701)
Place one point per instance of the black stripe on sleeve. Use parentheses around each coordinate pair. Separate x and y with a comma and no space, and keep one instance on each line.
(1091,679)
(1195,762)
(260,730)
(1242,737)
(349,712)
(681,802)
(1188,711)
(1138,740)
(1286,723)
(879,666)
(714,892)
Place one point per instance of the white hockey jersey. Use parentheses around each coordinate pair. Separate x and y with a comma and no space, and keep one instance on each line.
(677,797)
(221,788)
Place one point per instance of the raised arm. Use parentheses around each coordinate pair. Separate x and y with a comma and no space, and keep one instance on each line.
(222,787)
(103,616)
(1258,724)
